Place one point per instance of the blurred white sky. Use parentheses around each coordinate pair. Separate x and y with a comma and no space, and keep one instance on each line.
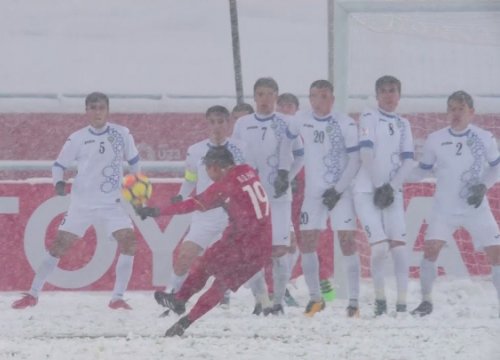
(174,50)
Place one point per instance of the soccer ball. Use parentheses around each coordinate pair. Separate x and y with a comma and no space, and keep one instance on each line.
(136,188)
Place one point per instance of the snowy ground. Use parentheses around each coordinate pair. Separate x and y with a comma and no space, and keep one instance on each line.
(78,325)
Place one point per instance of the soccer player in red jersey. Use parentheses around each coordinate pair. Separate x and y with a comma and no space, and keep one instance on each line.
(246,243)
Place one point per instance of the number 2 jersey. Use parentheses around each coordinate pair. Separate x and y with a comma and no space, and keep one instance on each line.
(99,156)
(242,195)
(459,161)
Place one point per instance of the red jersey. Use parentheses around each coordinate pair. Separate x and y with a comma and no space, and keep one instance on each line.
(242,195)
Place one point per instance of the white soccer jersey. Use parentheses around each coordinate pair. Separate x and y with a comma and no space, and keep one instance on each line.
(207,226)
(99,158)
(458,161)
(264,136)
(195,168)
(390,137)
(327,142)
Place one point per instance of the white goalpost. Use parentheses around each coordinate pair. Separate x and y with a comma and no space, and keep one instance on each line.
(470,22)
(434,47)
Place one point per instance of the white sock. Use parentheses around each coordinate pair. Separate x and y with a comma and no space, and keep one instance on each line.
(292,258)
(44,270)
(428,273)
(378,257)
(495,277)
(123,272)
(352,265)
(281,274)
(310,268)
(176,282)
(259,289)
(400,260)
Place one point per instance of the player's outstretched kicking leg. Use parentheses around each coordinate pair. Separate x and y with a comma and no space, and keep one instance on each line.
(168,300)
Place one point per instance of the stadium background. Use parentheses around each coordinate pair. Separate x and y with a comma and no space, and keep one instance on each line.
(161,82)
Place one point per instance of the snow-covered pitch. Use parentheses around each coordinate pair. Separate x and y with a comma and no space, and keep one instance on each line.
(78,325)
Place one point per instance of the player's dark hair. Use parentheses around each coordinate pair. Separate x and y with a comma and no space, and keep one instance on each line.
(217,109)
(387,79)
(96,97)
(219,156)
(461,97)
(267,82)
(288,98)
(322,84)
(243,107)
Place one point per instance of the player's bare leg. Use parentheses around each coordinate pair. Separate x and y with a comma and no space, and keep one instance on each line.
(310,267)
(348,247)
(428,273)
(63,241)
(126,246)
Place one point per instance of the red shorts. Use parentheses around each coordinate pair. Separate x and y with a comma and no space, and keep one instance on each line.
(235,258)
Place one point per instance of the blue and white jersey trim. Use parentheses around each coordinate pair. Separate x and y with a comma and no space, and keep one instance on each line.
(407,155)
(56,164)
(134,160)
(352,149)
(425,166)
(495,162)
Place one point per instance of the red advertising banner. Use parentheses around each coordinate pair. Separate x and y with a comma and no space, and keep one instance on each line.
(30,214)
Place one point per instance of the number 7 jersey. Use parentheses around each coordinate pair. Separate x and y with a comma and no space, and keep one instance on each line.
(264,138)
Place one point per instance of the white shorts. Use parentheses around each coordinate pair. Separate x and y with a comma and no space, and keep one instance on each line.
(314,214)
(480,223)
(281,212)
(378,224)
(78,219)
(207,227)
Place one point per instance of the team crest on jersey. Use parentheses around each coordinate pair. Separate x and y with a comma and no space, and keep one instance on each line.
(111,139)
(274,126)
(329,129)
(469,142)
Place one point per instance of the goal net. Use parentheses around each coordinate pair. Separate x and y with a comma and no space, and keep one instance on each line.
(434,48)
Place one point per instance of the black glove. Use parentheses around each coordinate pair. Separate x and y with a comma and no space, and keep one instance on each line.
(384,196)
(331,198)
(60,188)
(281,183)
(146,211)
(476,196)
(176,199)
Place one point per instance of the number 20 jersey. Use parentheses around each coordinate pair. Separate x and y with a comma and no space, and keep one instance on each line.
(327,142)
